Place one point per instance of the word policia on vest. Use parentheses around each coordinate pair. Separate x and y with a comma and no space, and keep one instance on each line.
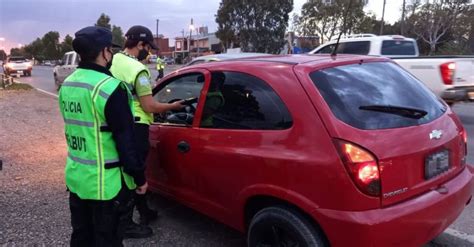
(71,106)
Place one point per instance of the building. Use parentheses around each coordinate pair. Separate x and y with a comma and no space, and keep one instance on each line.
(200,44)
(163,46)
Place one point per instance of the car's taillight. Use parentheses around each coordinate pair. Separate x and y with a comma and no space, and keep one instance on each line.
(447,72)
(362,167)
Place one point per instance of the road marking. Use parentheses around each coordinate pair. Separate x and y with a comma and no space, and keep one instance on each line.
(462,235)
(46,92)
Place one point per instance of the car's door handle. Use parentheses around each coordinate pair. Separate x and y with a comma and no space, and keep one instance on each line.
(183,147)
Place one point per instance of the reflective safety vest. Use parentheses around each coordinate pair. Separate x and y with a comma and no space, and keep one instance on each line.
(92,170)
(160,64)
(127,69)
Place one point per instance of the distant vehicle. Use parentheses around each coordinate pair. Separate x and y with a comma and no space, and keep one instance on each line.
(48,63)
(169,60)
(17,65)
(67,65)
(223,56)
(313,151)
(449,77)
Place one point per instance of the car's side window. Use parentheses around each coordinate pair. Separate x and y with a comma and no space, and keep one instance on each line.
(179,88)
(356,47)
(242,101)
(69,59)
(64,61)
(326,50)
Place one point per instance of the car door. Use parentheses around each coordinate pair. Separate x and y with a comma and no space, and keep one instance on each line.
(62,68)
(174,136)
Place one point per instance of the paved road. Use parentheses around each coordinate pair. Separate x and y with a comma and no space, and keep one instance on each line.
(461,233)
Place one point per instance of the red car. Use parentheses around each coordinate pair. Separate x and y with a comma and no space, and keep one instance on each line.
(311,150)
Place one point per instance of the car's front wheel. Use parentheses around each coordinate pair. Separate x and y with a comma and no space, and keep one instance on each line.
(282,226)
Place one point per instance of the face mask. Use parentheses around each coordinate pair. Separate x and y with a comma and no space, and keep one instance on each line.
(109,63)
(142,54)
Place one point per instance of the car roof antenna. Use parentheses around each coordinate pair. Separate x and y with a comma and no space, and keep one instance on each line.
(334,51)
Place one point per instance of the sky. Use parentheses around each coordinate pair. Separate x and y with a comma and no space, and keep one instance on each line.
(22,21)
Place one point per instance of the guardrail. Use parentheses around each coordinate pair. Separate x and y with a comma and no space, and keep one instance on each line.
(5,81)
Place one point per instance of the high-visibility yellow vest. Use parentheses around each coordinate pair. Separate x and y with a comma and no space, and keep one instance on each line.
(91,147)
(127,69)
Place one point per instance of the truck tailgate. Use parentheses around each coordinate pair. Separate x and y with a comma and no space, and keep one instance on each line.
(464,75)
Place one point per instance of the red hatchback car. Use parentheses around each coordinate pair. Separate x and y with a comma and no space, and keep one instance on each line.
(311,150)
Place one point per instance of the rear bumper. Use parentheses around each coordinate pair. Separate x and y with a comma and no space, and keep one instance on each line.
(459,94)
(410,223)
(14,71)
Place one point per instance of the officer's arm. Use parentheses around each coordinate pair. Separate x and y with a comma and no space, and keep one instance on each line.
(120,121)
(148,104)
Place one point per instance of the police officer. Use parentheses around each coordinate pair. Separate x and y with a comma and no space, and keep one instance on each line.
(126,66)
(103,166)
(160,67)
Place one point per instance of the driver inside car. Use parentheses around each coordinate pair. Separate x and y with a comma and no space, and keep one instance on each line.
(214,100)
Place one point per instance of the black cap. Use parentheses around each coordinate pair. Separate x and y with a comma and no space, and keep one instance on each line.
(141,33)
(92,38)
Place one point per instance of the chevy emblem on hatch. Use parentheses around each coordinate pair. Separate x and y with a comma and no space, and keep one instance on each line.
(436,134)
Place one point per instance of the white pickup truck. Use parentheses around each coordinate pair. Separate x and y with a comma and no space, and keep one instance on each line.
(68,64)
(450,77)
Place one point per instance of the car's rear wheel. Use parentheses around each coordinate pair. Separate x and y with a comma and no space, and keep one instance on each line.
(282,226)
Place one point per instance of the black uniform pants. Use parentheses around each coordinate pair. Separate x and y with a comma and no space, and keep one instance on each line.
(100,223)
(142,134)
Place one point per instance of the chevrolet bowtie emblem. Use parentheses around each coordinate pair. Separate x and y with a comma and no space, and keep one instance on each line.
(436,134)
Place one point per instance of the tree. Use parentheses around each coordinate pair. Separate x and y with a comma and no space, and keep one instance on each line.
(117,35)
(51,48)
(226,30)
(103,21)
(66,45)
(258,25)
(434,20)
(326,20)
(3,55)
(17,52)
(35,49)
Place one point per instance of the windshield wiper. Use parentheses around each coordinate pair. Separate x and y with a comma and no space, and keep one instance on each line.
(397,110)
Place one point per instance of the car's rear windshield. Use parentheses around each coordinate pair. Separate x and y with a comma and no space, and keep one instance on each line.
(398,47)
(17,59)
(365,95)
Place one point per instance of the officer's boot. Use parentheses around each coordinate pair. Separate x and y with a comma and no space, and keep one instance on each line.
(147,215)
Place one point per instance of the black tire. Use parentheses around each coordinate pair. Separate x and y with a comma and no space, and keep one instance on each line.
(283,226)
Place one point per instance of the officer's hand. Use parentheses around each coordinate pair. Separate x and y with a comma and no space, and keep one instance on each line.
(178,105)
(142,189)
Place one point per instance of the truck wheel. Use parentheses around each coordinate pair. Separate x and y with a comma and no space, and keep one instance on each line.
(282,226)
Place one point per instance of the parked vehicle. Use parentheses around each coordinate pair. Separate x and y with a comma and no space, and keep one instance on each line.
(223,56)
(169,60)
(311,150)
(17,65)
(449,77)
(68,64)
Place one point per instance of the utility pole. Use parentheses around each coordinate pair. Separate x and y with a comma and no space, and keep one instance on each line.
(383,17)
(402,23)
(158,34)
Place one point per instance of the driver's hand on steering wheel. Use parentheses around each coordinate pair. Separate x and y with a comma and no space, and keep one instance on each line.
(178,105)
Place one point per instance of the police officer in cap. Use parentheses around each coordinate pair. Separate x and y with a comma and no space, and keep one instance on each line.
(127,67)
(103,168)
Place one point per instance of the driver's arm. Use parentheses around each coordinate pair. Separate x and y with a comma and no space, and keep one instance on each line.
(144,93)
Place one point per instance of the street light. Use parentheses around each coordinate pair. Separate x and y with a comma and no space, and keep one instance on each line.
(191,27)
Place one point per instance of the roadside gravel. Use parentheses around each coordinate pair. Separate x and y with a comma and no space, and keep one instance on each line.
(33,199)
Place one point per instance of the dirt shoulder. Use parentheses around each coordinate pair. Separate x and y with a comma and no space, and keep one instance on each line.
(33,199)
